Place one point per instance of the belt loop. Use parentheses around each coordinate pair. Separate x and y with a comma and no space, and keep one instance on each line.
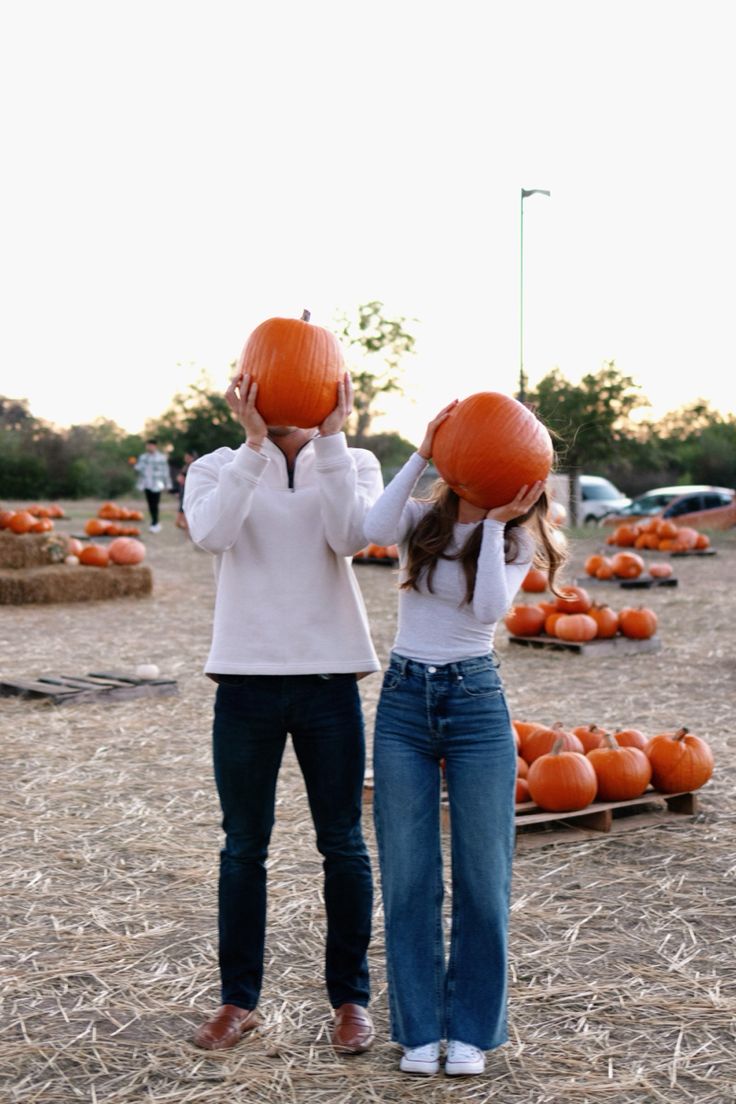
(402,662)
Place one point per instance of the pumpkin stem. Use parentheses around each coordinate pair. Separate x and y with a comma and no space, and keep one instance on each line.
(557,746)
(610,741)
(680,733)
(306,315)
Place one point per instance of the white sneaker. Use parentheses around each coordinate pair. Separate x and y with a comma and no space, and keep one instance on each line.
(422,1059)
(463,1058)
(154,528)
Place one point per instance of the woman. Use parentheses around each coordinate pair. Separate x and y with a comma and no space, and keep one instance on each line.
(442,699)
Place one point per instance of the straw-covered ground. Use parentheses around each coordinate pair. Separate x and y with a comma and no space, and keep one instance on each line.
(622,945)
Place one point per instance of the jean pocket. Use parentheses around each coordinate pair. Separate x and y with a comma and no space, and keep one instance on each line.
(391,680)
(481,684)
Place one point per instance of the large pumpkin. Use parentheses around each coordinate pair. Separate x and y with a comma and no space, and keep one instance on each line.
(489,447)
(680,761)
(561,781)
(126,550)
(622,772)
(297,367)
(524,620)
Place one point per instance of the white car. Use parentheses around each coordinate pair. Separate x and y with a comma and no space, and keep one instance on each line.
(598,497)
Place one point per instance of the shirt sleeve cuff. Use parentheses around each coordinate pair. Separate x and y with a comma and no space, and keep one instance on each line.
(249,462)
(327,450)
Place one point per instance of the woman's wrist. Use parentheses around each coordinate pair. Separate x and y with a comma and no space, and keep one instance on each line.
(254,443)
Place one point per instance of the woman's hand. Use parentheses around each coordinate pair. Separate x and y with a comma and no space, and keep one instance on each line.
(241,397)
(336,419)
(522,504)
(425,449)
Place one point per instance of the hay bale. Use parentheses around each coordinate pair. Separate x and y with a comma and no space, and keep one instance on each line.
(74,583)
(31,549)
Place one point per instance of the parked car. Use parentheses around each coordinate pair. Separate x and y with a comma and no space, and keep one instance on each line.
(697,505)
(598,497)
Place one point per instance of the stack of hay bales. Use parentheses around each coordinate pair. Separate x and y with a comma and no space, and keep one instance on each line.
(32,569)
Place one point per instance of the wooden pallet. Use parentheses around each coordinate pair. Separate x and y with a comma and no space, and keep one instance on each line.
(380,561)
(616,645)
(695,552)
(95,686)
(535,826)
(629,584)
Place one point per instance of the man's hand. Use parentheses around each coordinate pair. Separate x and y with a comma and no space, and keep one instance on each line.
(241,397)
(520,505)
(334,421)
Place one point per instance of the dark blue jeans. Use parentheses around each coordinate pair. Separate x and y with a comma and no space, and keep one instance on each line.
(253,716)
(456,712)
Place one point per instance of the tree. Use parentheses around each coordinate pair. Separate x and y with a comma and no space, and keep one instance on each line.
(382,342)
(198,419)
(590,422)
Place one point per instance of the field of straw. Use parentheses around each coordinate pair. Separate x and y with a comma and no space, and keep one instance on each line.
(622,944)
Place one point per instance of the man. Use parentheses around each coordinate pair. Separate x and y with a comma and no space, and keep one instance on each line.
(283,514)
(153,476)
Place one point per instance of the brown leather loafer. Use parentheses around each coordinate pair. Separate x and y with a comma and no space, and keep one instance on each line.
(352,1030)
(226,1028)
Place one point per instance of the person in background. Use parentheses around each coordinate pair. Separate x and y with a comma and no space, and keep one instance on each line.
(442,699)
(153,477)
(189,457)
(283,515)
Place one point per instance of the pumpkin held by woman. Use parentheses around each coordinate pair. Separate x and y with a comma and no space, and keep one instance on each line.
(297,367)
(489,447)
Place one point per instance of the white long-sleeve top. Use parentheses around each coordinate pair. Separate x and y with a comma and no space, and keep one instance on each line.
(441,627)
(287,600)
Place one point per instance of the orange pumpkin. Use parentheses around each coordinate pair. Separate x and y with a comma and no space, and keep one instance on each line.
(523,728)
(575,627)
(522,767)
(489,447)
(535,581)
(74,546)
(686,537)
(574,599)
(43,525)
(590,736)
(522,791)
(126,550)
(297,367)
(666,530)
(6,517)
(21,522)
(627,565)
(94,555)
(625,535)
(524,620)
(551,620)
(95,527)
(561,781)
(605,571)
(703,541)
(622,772)
(680,761)
(593,563)
(542,740)
(606,619)
(660,570)
(631,737)
(547,607)
(638,623)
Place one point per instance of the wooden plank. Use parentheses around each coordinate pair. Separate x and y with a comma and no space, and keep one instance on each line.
(620,645)
(33,688)
(644,581)
(695,552)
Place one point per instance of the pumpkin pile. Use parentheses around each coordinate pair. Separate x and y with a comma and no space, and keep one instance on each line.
(24,521)
(658,535)
(122,551)
(99,527)
(574,617)
(563,770)
(110,511)
(625,565)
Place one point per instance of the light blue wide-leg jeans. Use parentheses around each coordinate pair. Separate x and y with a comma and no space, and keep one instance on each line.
(456,712)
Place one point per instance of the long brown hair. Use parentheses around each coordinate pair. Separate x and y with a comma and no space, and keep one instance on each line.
(430,539)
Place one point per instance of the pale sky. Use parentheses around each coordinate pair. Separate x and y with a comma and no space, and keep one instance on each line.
(174,173)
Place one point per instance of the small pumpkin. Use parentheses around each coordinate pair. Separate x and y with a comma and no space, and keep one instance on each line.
(550,622)
(625,535)
(535,581)
(622,772)
(126,550)
(702,542)
(590,736)
(561,781)
(574,599)
(658,569)
(627,565)
(543,739)
(21,522)
(96,527)
(575,627)
(605,571)
(489,447)
(680,761)
(637,622)
(74,546)
(297,367)
(524,620)
(94,555)
(593,563)
(522,767)
(631,737)
(523,728)
(522,791)
(606,619)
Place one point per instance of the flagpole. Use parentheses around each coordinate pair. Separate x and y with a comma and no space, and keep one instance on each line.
(522,377)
